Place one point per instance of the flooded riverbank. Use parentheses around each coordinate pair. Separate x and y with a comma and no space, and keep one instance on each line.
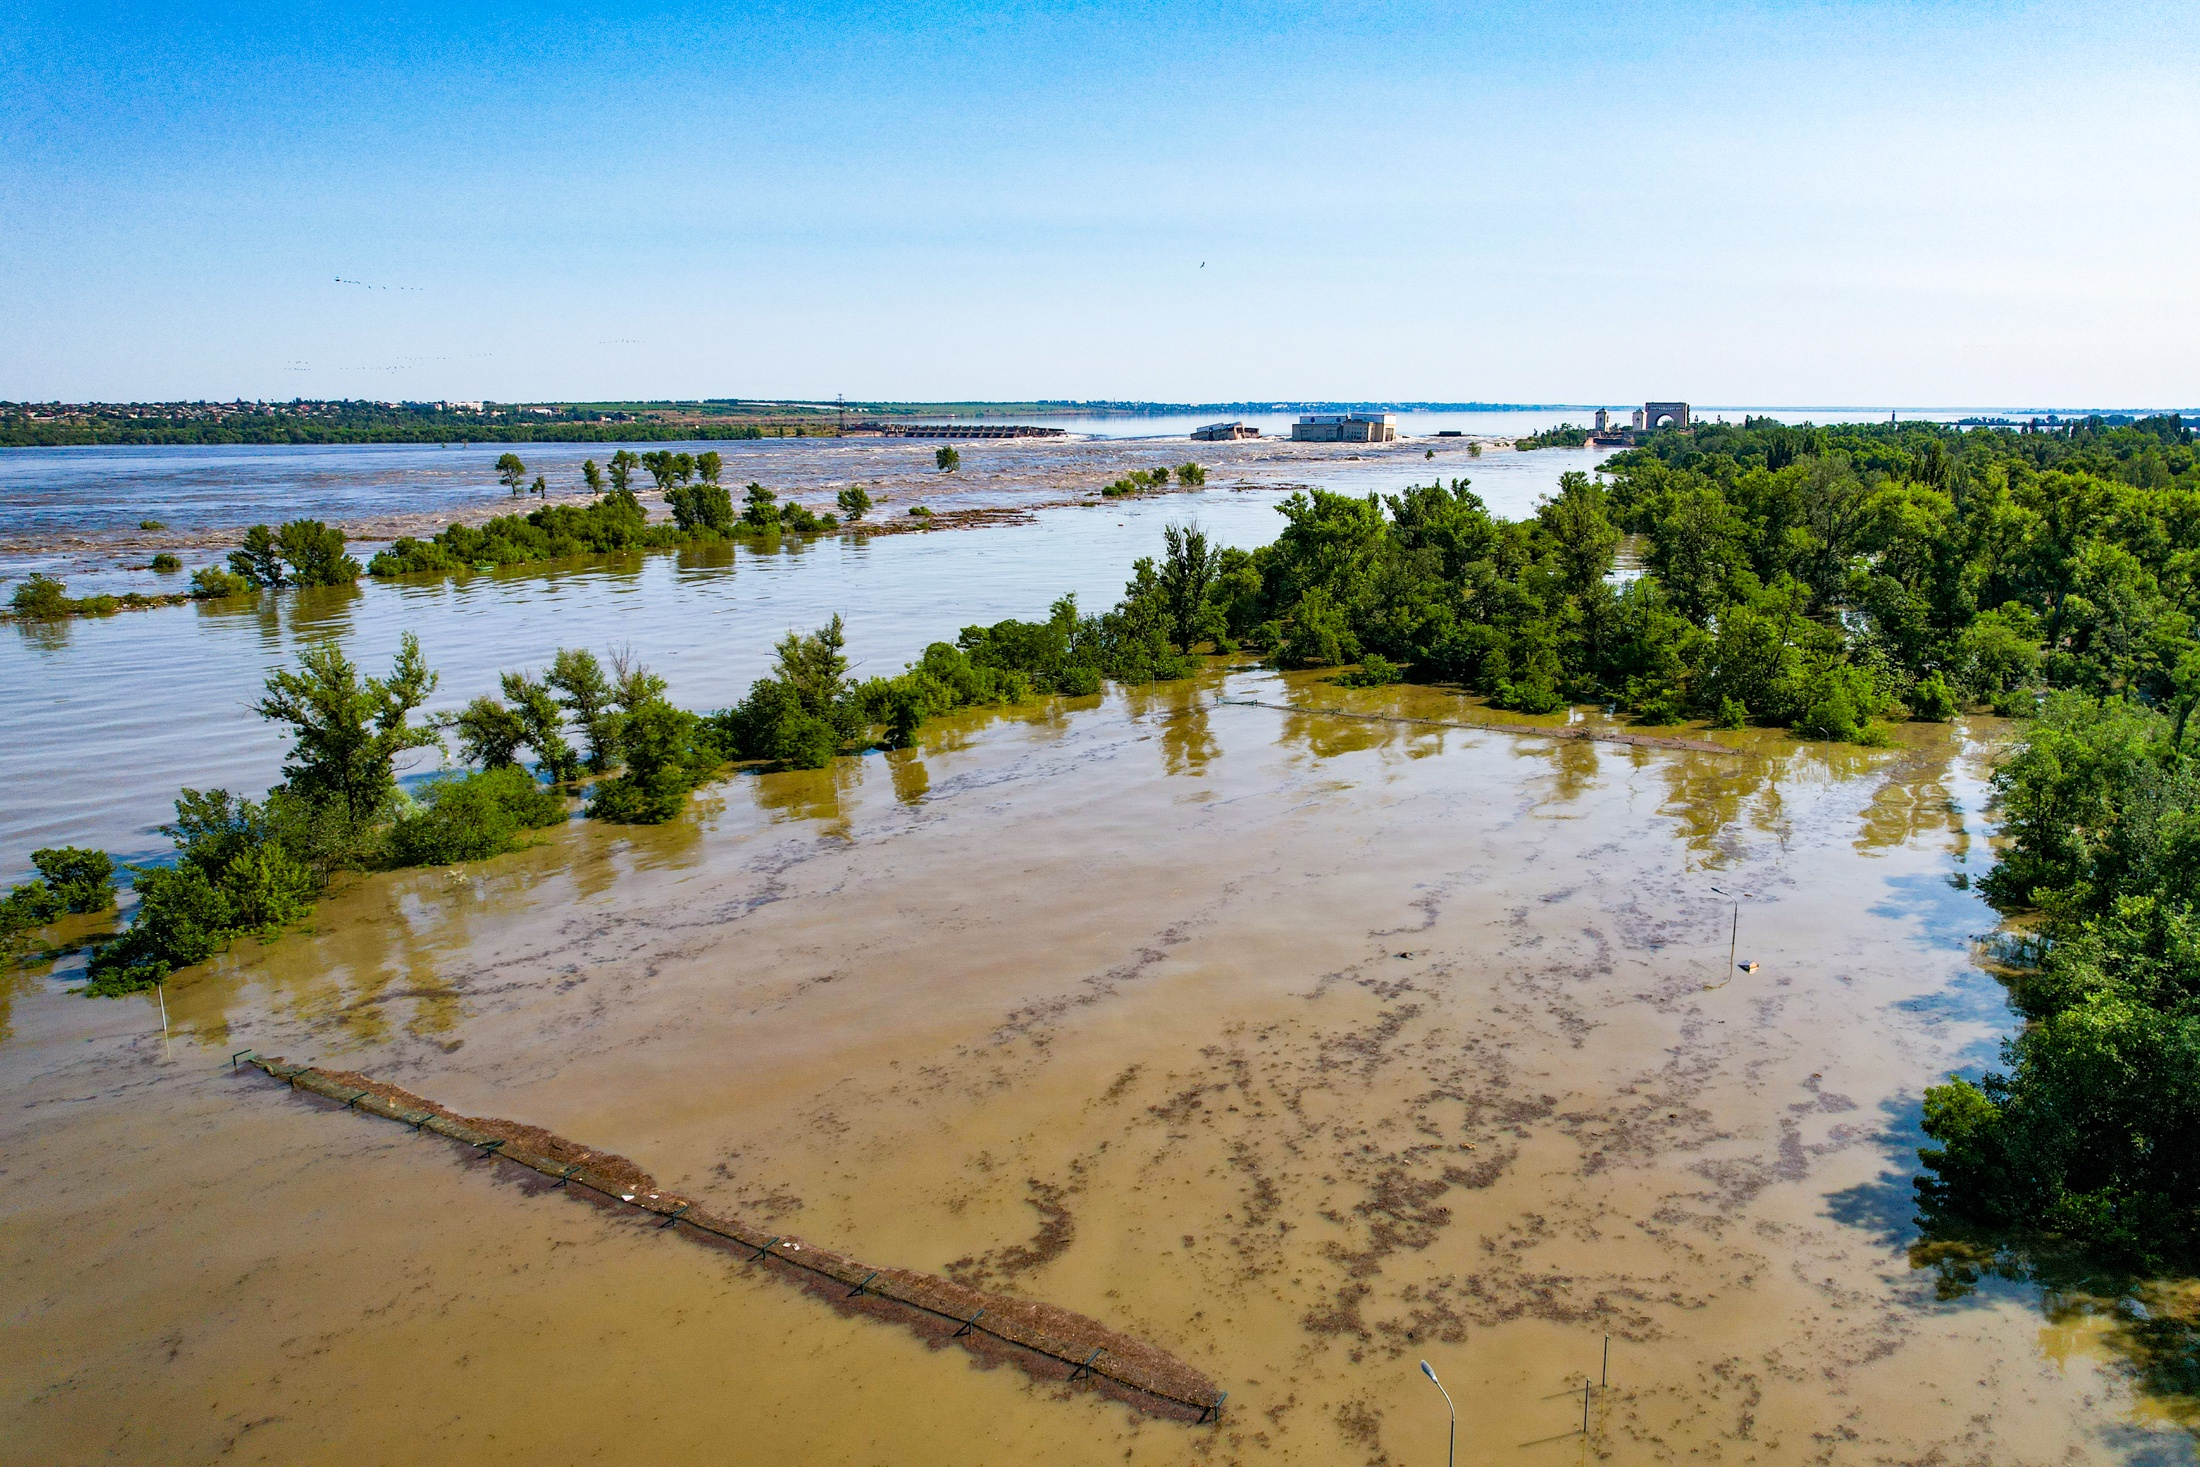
(1303,1047)
(109,716)
(78,513)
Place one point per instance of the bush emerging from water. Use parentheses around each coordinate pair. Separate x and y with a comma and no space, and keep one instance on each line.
(236,872)
(70,879)
(1374,671)
(212,583)
(166,564)
(40,597)
(470,817)
(301,553)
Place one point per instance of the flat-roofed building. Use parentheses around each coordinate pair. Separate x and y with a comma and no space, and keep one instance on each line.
(1345,428)
(1224,432)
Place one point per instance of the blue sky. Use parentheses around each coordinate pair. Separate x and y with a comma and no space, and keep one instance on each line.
(1780,203)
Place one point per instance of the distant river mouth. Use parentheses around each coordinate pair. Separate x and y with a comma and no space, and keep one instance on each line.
(1303,1046)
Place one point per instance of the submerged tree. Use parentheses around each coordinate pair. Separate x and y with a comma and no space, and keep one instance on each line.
(511,473)
(347,730)
(589,699)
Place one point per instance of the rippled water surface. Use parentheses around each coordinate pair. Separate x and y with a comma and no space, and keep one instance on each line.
(108,717)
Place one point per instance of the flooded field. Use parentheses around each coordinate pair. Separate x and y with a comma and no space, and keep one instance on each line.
(79,513)
(1300,1046)
(109,716)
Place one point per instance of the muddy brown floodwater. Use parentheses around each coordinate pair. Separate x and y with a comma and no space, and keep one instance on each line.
(1302,1047)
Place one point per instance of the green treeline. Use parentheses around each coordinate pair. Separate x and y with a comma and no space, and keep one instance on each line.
(2088,1136)
(1565,435)
(27,426)
(1819,579)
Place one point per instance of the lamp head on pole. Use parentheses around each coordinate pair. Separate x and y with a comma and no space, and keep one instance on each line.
(1430,1372)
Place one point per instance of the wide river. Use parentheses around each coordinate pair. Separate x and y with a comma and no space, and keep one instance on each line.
(1300,1031)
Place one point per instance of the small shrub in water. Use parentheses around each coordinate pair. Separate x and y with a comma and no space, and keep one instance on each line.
(1374,671)
(166,564)
(212,583)
(41,597)
(82,879)
(1933,701)
(472,817)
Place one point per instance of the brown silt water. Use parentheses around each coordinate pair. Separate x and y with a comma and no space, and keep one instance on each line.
(1302,1047)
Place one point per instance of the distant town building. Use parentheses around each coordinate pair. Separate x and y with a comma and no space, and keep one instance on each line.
(1345,428)
(1224,432)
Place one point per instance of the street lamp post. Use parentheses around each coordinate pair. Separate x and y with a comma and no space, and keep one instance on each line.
(1734,934)
(1451,1451)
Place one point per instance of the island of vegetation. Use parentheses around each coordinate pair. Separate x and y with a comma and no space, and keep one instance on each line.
(1565,435)
(702,513)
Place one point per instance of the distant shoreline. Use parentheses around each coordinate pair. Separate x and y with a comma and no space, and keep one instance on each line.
(325,423)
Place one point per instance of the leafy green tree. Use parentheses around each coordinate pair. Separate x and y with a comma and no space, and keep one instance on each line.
(511,473)
(590,700)
(592,476)
(947,460)
(1582,535)
(670,470)
(236,873)
(854,502)
(703,507)
(81,879)
(544,724)
(1191,476)
(211,582)
(259,559)
(489,734)
(40,598)
(708,466)
(623,465)
(760,510)
(1188,575)
(314,554)
(347,730)
(814,665)
(665,759)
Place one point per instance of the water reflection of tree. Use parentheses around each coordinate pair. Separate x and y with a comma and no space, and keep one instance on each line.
(807,794)
(1327,738)
(318,611)
(1187,743)
(45,636)
(912,782)
(717,555)
(2149,1329)
(1707,795)
(1573,764)
(1913,799)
